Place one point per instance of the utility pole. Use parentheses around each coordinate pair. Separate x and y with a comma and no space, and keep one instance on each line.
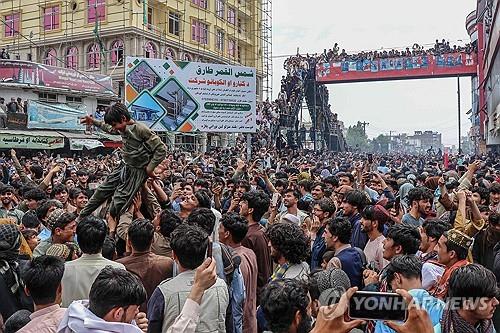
(364,123)
(315,118)
(390,140)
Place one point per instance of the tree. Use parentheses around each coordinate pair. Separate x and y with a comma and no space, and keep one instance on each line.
(381,144)
(356,137)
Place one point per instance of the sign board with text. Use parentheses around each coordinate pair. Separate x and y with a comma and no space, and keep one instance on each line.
(36,75)
(181,96)
(424,66)
(12,139)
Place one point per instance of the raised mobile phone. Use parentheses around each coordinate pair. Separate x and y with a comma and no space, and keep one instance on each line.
(377,306)
(209,249)
(370,158)
(275,199)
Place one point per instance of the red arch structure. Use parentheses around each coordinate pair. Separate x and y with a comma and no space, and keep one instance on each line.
(398,68)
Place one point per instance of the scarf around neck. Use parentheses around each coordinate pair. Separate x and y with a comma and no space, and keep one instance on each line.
(453,323)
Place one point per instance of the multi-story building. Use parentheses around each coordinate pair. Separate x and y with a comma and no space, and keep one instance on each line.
(491,71)
(483,26)
(421,141)
(95,35)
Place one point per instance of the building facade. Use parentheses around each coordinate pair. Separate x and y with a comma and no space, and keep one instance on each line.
(491,69)
(483,26)
(96,35)
(422,141)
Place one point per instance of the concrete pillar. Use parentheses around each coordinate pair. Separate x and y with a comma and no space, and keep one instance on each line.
(170,141)
(224,140)
(203,142)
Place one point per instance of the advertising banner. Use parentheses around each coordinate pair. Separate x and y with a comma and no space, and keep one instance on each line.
(33,74)
(425,66)
(181,96)
(79,144)
(31,140)
(17,120)
(54,116)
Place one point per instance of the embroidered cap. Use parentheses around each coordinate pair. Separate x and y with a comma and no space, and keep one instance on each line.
(459,238)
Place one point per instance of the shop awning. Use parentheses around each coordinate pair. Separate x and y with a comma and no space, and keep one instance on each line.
(108,137)
(80,140)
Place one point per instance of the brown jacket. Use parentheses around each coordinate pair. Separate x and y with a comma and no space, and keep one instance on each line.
(152,269)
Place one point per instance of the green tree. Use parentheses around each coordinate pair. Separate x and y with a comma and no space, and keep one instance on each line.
(381,143)
(356,137)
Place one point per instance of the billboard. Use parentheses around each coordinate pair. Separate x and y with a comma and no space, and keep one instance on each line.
(55,116)
(12,139)
(425,66)
(39,75)
(181,96)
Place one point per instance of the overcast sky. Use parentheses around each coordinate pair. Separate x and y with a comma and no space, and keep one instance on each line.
(401,106)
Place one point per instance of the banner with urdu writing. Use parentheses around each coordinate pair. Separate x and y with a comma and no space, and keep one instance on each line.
(33,140)
(181,96)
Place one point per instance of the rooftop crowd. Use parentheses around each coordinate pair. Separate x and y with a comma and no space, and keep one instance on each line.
(146,240)
(335,54)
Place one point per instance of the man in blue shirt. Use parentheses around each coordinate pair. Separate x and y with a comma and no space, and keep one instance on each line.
(354,202)
(405,272)
(323,210)
(348,258)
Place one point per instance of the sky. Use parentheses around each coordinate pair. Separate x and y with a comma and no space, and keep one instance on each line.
(398,106)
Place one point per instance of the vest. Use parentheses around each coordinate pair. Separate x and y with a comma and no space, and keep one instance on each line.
(213,305)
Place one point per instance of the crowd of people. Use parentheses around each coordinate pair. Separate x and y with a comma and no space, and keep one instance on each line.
(145,240)
(284,111)
(335,54)
(14,106)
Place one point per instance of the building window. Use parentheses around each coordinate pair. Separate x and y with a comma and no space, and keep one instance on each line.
(173,23)
(241,26)
(150,50)
(96,10)
(11,24)
(72,58)
(74,100)
(169,53)
(199,32)
(219,8)
(150,18)
(46,97)
(220,40)
(51,17)
(201,3)
(186,57)
(117,52)
(50,57)
(94,56)
(238,53)
(231,47)
(231,15)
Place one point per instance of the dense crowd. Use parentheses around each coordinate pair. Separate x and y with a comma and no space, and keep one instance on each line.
(145,240)
(335,54)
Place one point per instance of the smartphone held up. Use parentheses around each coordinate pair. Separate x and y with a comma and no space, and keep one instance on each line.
(378,306)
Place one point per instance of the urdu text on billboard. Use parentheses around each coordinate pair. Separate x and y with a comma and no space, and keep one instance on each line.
(39,75)
(181,96)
